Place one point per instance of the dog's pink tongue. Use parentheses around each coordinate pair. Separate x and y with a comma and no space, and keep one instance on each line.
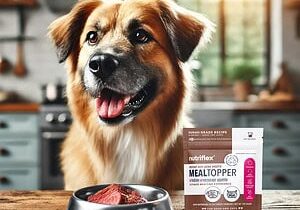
(110,107)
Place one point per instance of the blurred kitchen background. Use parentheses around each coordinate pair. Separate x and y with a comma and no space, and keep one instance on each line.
(249,76)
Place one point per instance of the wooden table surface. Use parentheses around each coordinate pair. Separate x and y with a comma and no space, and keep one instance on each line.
(58,200)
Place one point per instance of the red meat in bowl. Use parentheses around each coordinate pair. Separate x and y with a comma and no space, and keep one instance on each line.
(116,194)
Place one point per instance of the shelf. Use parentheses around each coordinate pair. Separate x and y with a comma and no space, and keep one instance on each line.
(247,106)
(13,3)
(15,38)
(19,107)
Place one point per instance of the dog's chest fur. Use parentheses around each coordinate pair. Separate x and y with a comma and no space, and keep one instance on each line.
(126,157)
(129,161)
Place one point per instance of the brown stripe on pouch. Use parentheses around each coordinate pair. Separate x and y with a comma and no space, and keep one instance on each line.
(209,142)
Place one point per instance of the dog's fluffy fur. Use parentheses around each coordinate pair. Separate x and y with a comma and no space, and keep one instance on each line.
(146,149)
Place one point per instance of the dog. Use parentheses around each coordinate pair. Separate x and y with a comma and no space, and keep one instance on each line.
(127,89)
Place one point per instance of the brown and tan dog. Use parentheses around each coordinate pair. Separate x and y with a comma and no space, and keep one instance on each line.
(127,89)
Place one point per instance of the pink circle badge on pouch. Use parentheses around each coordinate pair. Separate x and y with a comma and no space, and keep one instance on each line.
(249,179)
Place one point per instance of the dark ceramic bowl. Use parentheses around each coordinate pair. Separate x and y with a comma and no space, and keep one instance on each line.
(157,199)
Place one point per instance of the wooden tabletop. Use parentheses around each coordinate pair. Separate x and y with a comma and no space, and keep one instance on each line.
(20,107)
(58,200)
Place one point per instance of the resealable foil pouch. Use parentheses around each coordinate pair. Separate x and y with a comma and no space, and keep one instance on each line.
(223,168)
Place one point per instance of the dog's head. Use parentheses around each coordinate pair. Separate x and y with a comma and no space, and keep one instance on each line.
(126,55)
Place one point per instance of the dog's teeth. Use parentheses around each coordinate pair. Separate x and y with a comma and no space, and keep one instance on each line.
(135,103)
(126,112)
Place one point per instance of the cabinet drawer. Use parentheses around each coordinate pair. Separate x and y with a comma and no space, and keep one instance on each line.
(281,178)
(277,126)
(18,150)
(273,121)
(276,121)
(277,153)
(18,124)
(19,178)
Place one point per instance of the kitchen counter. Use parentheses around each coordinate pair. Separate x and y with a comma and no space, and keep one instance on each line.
(247,106)
(20,107)
(58,200)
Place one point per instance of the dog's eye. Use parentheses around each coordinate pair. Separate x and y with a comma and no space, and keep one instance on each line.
(92,37)
(141,36)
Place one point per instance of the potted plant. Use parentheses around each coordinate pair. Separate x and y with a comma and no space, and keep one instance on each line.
(243,76)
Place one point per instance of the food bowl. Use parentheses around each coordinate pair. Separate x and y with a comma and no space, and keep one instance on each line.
(157,199)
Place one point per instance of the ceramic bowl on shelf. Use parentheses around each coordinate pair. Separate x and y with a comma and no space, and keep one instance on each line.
(157,199)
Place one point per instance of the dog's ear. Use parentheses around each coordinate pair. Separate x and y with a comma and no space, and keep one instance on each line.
(65,31)
(185,28)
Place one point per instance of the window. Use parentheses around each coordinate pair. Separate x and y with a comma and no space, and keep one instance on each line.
(242,37)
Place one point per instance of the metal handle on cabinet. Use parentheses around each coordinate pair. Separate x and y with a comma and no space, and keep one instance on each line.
(53,135)
(279,178)
(4,180)
(4,152)
(279,124)
(3,125)
(279,151)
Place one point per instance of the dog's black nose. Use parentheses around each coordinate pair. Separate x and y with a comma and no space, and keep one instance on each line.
(103,65)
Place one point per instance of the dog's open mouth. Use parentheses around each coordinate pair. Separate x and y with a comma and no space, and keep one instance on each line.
(113,107)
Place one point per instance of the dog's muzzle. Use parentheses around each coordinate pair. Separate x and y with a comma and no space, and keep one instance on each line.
(113,104)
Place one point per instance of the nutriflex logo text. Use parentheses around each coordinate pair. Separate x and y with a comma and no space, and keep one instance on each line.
(199,158)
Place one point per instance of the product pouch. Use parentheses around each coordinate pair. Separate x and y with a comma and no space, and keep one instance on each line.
(223,168)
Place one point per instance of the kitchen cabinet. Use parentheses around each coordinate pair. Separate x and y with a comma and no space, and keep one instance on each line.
(281,146)
(281,123)
(19,151)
